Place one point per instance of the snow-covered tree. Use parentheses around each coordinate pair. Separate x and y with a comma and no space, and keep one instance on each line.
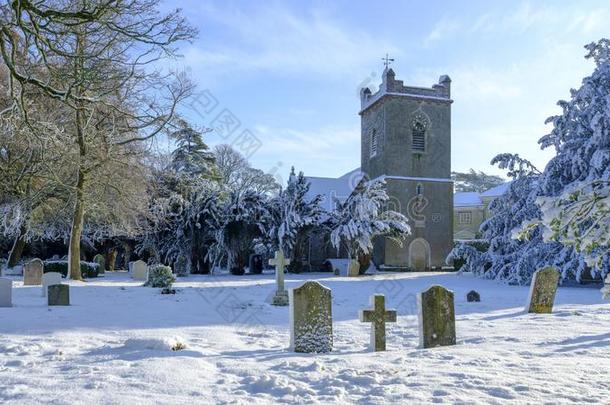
(363,217)
(572,182)
(183,192)
(575,188)
(475,181)
(292,216)
(95,59)
(236,224)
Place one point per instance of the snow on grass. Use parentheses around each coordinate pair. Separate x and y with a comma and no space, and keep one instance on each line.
(114,345)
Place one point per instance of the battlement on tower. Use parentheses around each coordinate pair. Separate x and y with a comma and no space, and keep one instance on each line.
(440,91)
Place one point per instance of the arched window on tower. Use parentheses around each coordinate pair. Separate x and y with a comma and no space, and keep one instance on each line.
(418,132)
(374,142)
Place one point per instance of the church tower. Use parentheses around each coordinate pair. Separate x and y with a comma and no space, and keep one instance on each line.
(406,140)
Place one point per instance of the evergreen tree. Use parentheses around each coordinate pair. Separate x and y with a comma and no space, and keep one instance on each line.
(363,217)
(292,216)
(474,181)
(574,178)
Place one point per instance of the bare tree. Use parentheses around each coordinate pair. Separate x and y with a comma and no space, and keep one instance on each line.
(237,175)
(100,59)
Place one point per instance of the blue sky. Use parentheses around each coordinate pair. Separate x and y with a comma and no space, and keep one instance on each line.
(289,72)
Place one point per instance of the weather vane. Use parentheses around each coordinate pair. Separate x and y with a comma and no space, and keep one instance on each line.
(387,60)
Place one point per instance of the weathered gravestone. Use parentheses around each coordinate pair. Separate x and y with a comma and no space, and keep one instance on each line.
(280,297)
(473,296)
(49,279)
(6,292)
(59,294)
(436,317)
(181,266)
(311,323)
(139,271)
(378,316)
(542,291)
(255,264)
(130,267)
(606,289)
(32,272)
(101,262)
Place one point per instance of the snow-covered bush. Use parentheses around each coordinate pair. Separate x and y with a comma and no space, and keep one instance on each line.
(546,203)
(160,276)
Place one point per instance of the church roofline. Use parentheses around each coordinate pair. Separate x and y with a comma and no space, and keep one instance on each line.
(412,96)
(430,179)
(439,92)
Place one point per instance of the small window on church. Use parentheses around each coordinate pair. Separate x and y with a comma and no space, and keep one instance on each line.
(419,137)
(464,218)
(374,142)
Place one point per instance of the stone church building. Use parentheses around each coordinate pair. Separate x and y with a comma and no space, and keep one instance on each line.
(406,140)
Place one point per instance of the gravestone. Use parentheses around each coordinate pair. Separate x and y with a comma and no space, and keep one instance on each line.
(436,317)
(311,323)
(280,298)
(255,264)
(59,294)
(49,279)
(353,268)
(606,290)
(6,292)
(101,262)
(139,271)
(32,272)
(378,316)
(473,296)
(181,266)
(130,267)
(542,291)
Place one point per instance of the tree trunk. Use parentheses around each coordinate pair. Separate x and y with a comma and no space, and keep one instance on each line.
(77,229)
(112,259)
(17,250)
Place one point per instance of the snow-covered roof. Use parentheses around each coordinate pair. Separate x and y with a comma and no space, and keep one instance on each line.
(497,190)
(467,199)
(330,188)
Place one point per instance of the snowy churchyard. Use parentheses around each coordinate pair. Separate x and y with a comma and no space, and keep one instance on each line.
(207,202)
(114,344)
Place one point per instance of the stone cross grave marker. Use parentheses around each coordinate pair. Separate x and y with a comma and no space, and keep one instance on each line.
(6,292)
(280,297)
(59,294)
(378,316)
(311,322)
(49,279)
(101,262)
(436,317)
(32,272)
(542,291)
(139,271)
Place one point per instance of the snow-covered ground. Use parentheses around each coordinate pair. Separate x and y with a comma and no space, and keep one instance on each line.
(113,345)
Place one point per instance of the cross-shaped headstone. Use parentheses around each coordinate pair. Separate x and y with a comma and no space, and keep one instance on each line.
(387,60)
(279,261)
(378,316)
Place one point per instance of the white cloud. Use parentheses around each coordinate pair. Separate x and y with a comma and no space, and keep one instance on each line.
(444,28)
(273,38)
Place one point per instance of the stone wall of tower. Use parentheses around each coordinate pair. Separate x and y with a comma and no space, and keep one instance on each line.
(391,113)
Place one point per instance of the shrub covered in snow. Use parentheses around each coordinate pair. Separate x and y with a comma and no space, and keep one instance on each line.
(160,276)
